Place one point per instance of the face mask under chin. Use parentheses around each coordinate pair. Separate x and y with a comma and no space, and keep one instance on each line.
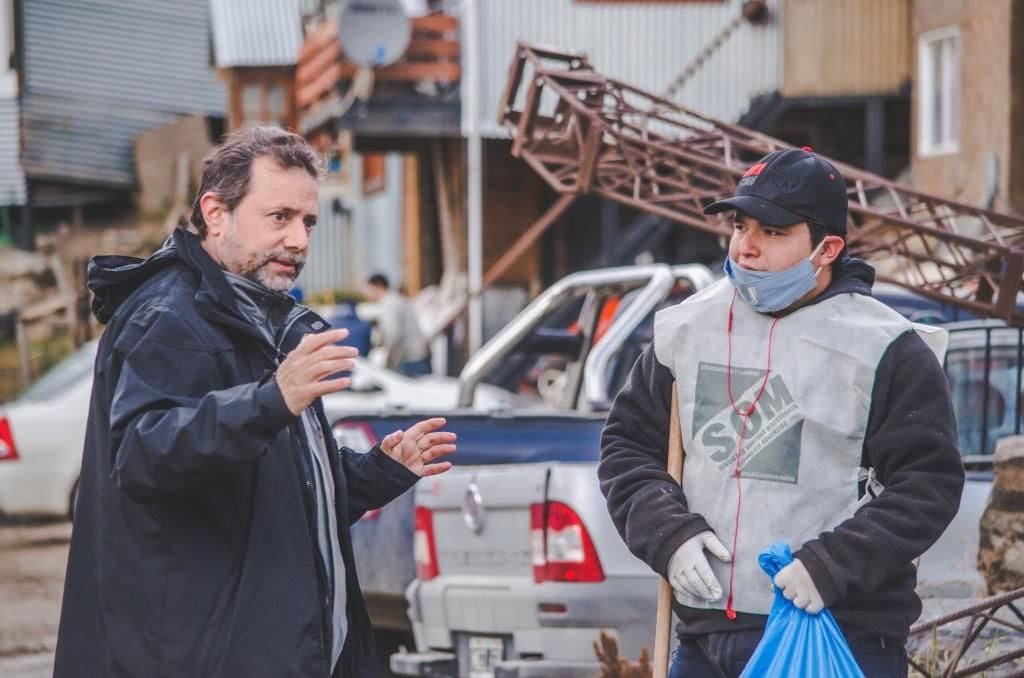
(773,291)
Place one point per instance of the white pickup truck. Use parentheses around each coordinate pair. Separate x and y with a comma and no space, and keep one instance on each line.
(521,567)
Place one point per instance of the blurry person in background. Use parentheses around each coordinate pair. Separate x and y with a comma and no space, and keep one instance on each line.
(398,331)
(211,535)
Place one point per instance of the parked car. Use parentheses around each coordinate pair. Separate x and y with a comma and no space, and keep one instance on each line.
(42,432)
(520,567)
(918,308)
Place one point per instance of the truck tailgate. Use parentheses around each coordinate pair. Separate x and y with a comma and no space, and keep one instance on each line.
(484,517)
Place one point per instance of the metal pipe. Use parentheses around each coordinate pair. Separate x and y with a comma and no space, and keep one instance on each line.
(1020,365)
(505,341)
(474,170)
(595,371)
(985,393)
(595,382)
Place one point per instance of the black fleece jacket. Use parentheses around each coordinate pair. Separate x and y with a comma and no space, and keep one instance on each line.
(862,567)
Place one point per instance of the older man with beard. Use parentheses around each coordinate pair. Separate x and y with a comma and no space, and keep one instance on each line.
(211,535)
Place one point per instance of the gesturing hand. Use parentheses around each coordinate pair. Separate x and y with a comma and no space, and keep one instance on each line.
(300,376)
(420,445)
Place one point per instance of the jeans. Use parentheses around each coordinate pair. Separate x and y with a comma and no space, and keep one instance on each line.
(877,657)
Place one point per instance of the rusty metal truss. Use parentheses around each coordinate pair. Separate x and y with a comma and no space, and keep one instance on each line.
(978,616)
(584,132)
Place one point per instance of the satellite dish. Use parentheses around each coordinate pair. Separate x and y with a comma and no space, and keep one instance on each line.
(374,33)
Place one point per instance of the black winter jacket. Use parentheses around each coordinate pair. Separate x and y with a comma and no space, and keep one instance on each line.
(863,568)
(194,549)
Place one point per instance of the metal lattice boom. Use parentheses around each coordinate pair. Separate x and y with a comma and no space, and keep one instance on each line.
(584,132)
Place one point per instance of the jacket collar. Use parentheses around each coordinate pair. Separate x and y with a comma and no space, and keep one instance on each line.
(216,300)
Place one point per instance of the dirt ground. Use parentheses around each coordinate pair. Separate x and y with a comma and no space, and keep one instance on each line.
(32,561)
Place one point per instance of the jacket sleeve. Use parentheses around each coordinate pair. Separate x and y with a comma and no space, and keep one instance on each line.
(911,442)
(374,480)
(169,429)
(646,505)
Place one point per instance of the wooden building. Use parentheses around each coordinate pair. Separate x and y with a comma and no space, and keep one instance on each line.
(256,48)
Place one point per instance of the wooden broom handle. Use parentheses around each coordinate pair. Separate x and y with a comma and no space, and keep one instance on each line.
(663,630)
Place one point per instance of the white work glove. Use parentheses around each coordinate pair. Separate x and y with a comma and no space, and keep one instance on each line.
(796,584)
(689,570)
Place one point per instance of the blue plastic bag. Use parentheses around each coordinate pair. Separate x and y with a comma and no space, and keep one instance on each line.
(795,642)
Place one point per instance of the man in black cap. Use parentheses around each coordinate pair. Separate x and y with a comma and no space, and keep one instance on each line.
(811,414)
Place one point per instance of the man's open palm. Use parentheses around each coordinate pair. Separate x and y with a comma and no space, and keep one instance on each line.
(419,446)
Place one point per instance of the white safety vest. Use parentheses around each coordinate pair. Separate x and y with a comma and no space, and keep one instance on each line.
(801,457)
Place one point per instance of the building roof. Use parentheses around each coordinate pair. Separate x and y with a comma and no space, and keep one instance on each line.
(256,32)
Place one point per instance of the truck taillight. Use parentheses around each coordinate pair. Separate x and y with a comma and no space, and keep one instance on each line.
(560,546)
(8,451)
(424,547)
(537,554)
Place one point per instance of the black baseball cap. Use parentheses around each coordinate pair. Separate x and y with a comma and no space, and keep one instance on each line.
(786,187)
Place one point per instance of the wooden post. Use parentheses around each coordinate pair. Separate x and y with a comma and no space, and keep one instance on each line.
(663,630)
(450,260)
(411,225)
(65,289)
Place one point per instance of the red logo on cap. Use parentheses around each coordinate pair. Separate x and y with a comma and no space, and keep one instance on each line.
(755,169)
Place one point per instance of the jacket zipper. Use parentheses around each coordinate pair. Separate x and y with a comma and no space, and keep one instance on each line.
(309,503)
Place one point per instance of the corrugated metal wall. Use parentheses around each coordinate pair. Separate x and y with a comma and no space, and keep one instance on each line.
(647,45)
(329,247)
(98,71)
(845,48)
(256,32)
(12,179)
(346,248)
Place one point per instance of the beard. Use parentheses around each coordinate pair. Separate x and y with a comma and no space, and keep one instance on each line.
(255,266)
(279,282)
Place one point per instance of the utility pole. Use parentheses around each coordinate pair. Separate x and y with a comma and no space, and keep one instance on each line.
(474,172)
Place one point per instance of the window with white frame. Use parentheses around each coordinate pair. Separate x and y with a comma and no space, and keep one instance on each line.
(938,78)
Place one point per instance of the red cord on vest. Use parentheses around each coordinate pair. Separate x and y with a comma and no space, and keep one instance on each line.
(730,612)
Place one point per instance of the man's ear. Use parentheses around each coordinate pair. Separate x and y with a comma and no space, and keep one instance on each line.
(215,213)
(831,247)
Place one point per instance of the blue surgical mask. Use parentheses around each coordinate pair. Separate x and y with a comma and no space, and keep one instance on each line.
(773,291)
